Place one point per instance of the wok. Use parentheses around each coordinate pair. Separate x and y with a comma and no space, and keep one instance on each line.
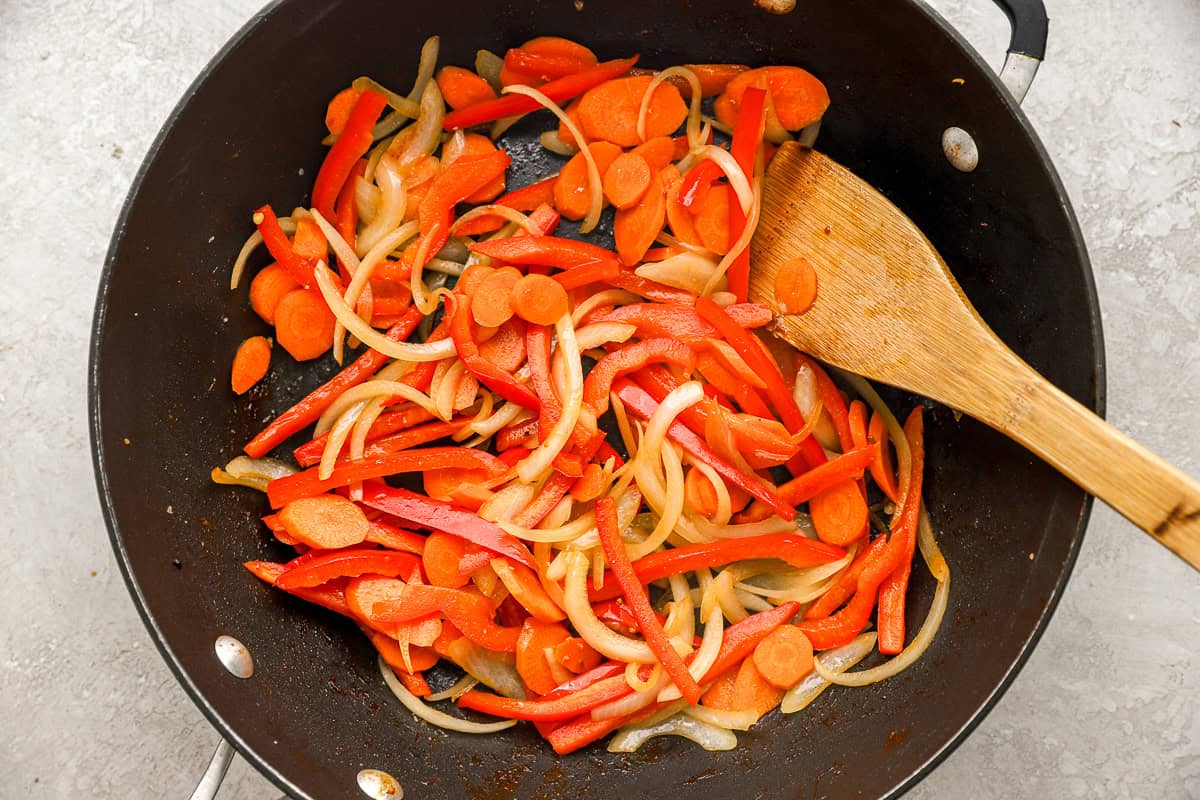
(316,711)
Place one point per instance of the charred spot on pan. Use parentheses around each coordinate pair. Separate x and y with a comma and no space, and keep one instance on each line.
(776,6)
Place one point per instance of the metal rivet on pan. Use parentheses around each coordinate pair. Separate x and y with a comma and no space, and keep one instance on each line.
(234,656)
(378,785)
(960,149)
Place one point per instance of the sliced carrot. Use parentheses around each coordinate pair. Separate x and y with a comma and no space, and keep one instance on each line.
(571,195)
(678,217)
(490,305)
(720,694)
(636,228)
(533,667)
(308,241)
(658,151)
(626,180)
(473,145)
(505,349)
(421,658)
(472,277)
(338,112)
(544,58)
(589,485)
(250,363)
(711,217)
(443,559)
(576,655)
(461,87)
(714,77)
(525,588)
(796,286)
(610,111)
(839,513)
(798,97)
(539,299)
(751,691)
(560,46)
(881,468)
(304,324)
(564,133)
(784,656)
(462,487)
(268,287)
(327,521)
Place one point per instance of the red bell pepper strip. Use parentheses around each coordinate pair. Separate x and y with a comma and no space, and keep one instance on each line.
(353,142)
(512,438)
(303,572)
(832,401)
(469,612)
(458,307)
(838,629)
(345,209)
(298,268)
(843,590)
(453,185)
(895,587)
(437,515)
(537,356)
(849,465)
(308,483)
(546,251)
(582,731)
(308,410)
(586,679)
(526,198)
(629,358)
(414,437)
(562,708)
(697,182)
(794,548)
(387,423)
(745,395)
(635,595)
(665,320)
(757,358)
(630,281)
(557,90)
(644,406)
(582,275)
(742,637)
(545,218)
(749,315)
(747,136)
(332,595)
(394,538)
(605,451)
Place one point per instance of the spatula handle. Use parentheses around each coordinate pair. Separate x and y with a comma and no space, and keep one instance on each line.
(1154,495)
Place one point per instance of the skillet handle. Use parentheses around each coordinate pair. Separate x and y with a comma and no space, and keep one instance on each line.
(1027,47)
(210,782)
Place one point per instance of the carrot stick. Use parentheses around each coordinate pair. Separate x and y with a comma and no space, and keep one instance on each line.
(784,657)
(635,228)
(796,286)
(571,195)
(269,287)
(610,111)
(250,363)
(539,299)
(461,87)
(326,522)
(894,588)
(304,324)
(490,304)
(626,180)
(881,468)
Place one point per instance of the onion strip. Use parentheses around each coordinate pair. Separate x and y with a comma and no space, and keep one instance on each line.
(693,118)
(431,715)
(539,461)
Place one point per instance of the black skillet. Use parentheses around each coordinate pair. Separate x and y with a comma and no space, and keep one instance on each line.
(316,711)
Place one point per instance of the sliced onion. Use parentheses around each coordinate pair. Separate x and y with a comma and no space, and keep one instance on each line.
(368,390)
(427,351)
(693,120)
(338,434)
(487,668)
(739,181)
(504,416)
(392,205)
(460,687)
(432,715)
(808,400)
(772,524)
(492,210)
(592,630)
(406,106)
(670,509)
(631,703)
(252,243)
(539,461)
(427,130)
(607,297)
(426,67)
(366,199)
(595,190)
(552,142)
(706,656)
(832,661)
(253,473)
(552,533)
(688,271)
(733,720)
(709,737)
(488,66)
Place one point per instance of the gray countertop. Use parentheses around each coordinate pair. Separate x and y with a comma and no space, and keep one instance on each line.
(1109,704)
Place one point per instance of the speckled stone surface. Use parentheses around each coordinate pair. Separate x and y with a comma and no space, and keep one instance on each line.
(1109,704)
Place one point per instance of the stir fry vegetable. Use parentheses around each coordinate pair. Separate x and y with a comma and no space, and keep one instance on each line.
(639,510)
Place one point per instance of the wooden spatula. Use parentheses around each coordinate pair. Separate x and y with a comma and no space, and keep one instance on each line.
(888,308)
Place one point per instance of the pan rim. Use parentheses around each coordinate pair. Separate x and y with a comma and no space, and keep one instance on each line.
(1096,402)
